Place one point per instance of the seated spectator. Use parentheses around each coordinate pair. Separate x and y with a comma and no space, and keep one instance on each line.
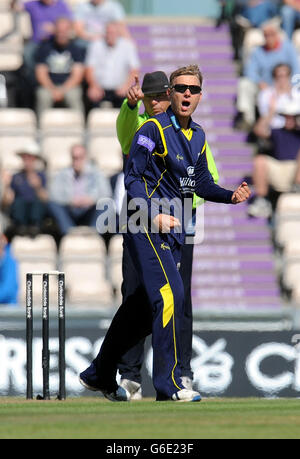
(92,17)
(281,171)
(27,194)
(273,97)
(111,65)
(290,14)
(6,197)
(75,191)
(43,14)
(258,72)
(9,283)
(257,11)
(243,15)
(60,70)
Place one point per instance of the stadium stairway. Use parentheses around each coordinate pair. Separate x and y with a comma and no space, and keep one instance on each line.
(234,266)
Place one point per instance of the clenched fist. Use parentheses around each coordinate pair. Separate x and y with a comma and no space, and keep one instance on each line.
(241,194)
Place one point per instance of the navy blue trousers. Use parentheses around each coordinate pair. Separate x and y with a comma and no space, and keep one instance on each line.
(131,362)
(157,258)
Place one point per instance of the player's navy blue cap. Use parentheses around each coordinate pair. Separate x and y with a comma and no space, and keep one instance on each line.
(155,83)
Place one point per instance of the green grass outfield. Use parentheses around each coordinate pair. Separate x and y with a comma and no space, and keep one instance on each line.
(99,418)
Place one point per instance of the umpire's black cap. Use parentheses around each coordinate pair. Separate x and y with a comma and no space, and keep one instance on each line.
(155,83)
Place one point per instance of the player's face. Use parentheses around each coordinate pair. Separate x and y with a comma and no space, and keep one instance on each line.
(184,100)
(156,103)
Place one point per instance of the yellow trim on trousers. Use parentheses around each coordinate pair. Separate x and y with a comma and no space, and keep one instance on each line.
(168,312)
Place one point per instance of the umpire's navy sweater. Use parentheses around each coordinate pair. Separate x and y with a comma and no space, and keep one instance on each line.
(167,162)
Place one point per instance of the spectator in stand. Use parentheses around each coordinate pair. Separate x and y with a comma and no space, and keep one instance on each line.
(8,274)
(27,195)
(60,70)
(6,198)
(273,97)
(91,19)
(256,12)
(75,191)
(43,15)
(258,72)
(281,171)
(243,15)
(112,64)
(290,14)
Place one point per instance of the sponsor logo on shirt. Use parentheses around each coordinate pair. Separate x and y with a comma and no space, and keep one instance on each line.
(146,142)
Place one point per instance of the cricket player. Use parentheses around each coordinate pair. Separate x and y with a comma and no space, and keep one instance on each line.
(154,94)
(155,177)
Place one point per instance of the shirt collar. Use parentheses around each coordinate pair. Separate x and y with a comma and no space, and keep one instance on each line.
(175,122)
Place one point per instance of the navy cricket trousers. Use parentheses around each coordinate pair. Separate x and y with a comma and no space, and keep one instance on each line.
(131,363)
(157,258)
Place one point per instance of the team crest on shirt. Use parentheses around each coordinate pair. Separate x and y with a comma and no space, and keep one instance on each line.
(165,246)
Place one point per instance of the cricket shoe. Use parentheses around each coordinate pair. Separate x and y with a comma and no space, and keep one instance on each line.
(134,389)
(186,395)
(88,385)
(120,395)
(187,382)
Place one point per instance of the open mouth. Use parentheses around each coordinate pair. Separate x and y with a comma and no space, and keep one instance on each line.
(186,104)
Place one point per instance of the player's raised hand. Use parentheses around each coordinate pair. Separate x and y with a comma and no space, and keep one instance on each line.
(135,93)
(241,194)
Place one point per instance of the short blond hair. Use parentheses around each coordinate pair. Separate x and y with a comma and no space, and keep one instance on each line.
(187,70)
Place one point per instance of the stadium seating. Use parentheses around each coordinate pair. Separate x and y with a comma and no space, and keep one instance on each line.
(39,254)
(291,275)
(24,25)
(73,3)
(27,266)
(42,247)
(87,283)
(288,205)
(102,121)
(9,146)
(64,121)
(286,230)
(5,5)
(6,22)
(106,152)
(77,245)
(17,121)
(287,222)
(82,256)
(291,265)
(296,292)
(10,61)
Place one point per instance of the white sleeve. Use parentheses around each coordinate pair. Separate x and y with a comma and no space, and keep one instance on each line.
(263,101)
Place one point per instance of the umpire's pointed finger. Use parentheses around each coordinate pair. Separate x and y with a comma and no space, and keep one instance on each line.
(137,81)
